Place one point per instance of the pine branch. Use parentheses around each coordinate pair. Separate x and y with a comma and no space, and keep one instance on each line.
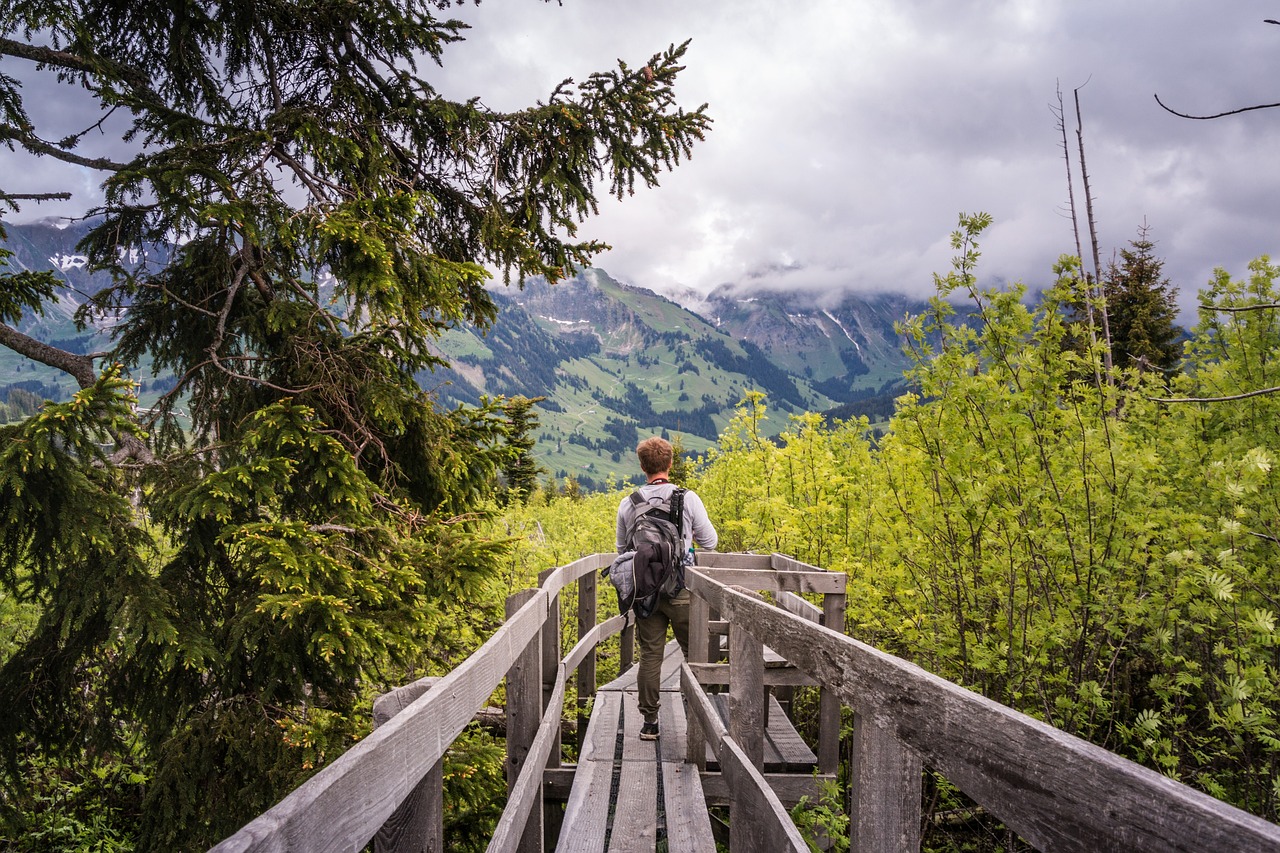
(38,146)
(34,196)
(80,367)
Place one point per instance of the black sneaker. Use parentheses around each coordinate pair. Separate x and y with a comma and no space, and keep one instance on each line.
(649,731)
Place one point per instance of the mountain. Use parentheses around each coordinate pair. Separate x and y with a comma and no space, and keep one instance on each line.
(614,361)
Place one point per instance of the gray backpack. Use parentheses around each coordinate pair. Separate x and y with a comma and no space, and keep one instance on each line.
(653,563)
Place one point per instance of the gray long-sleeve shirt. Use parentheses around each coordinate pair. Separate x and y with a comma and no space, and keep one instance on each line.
(697,525)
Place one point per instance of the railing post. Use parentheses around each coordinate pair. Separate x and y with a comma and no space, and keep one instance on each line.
(551,660)
(550,667)
(587,615)
(829,703)
(524,714)
(884,812)
(417,824)
(746,691)
(699,631)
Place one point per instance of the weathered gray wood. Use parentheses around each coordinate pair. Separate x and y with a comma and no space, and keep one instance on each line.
(558,579)
(793,603)
(746,690)
(586,646)
(788,787)
(342,806)
(417,825)
(783,563)
(397,699)
(767,580)
(525,798)
(586,668)
(718,560)
(524,717)
(784,750)
(551,660)
(884,815)
(635,816)
(828,701)
(717,675)
(586,814)
(758,822)
(557,782)
(1044,784)
(687,822)
(699,640)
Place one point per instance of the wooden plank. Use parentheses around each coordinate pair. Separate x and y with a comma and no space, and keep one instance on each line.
(884,815)
(396,700)
(585,666)
(784,750)
(767,580)
(686,820)
(550,666)
(758,822)
(828,701)
(585,647)
(789,787)
(717,675)
(557,782)
(342,806)
(746,690)
(524,718)
(793,603)
(526,794)
(417,824)
(718,560)
(586,815)
(782,562)
(699,640)
(557,579)
(1045,784)
(635,814)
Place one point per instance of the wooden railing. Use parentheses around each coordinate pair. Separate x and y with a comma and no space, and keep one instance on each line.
(1054,790)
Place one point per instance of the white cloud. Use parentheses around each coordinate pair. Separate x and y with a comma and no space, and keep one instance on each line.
(849,134)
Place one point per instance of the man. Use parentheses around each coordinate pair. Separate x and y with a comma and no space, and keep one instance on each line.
(655,461)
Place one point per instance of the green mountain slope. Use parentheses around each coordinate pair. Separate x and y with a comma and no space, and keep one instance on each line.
(614,362)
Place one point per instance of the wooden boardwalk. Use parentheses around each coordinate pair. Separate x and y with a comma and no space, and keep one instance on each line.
(1053,790)
(633,795)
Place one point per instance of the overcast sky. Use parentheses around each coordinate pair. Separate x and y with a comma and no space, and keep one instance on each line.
(849,134)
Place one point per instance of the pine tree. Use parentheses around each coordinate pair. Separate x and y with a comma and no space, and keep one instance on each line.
(1141,306)
(521,472)
(216,590)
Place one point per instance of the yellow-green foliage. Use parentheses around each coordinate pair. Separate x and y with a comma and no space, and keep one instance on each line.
(1067,546)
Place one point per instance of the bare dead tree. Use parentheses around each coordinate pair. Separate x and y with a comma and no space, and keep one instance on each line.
(1093,235)
(1060,113)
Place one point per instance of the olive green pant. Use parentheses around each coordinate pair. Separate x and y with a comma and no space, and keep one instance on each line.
(651,636)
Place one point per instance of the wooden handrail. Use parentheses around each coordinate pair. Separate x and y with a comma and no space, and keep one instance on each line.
(1055,790)
(342,806)
(765,824)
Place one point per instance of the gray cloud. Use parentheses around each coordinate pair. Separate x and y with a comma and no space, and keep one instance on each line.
(849,135)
